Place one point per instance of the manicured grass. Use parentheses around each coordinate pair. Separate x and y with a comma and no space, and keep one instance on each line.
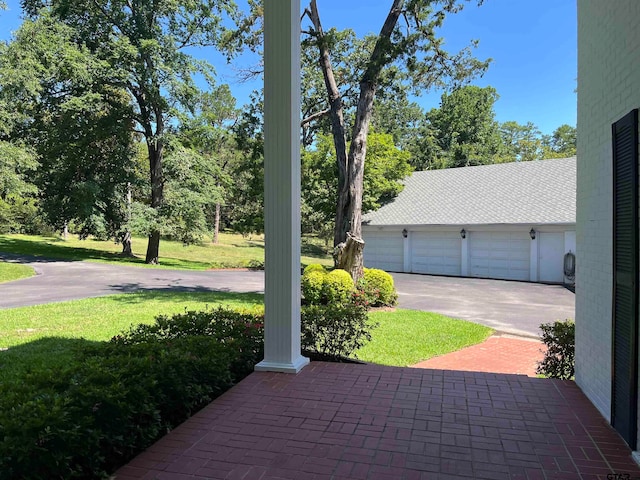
(14,271)
(232,251)
(406,337)
(103,317)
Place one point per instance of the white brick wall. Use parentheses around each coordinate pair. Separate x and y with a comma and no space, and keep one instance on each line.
(608,88)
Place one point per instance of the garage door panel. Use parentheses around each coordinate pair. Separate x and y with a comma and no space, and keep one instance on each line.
(502,255)
(384,250)
(436,253)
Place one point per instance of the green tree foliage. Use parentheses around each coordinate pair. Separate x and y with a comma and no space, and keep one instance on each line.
(143,43)
(521,142)
(17,193)
(209,133)
(403,53)
(466,132)
(386,166)
(76,122)
(561,143)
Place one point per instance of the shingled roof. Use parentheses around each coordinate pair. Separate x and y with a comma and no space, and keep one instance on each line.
(537,192)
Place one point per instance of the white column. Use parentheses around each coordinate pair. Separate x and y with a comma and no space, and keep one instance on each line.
(282,187)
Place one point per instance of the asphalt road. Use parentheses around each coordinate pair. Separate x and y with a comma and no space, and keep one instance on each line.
(517,308)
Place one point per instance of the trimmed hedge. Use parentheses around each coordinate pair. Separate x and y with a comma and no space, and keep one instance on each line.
(91,415)
(378,288)
(338,286)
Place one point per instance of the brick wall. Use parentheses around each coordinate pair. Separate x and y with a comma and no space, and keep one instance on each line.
(608,88)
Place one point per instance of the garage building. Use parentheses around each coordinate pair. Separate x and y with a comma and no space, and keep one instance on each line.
(513,221)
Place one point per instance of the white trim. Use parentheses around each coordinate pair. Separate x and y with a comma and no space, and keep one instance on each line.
(282,187)
(407,252)
(464,254)
(533,259)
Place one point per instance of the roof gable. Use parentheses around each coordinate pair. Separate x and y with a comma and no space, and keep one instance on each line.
(536,192)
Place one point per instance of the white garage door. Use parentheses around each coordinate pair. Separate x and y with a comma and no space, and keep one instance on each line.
(437,253)
(384,250)
(502,255)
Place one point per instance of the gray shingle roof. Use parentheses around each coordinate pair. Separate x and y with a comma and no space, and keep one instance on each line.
(537,192)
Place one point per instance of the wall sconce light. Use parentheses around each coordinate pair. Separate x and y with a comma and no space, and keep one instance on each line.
(404,232)
(532,234)
(463,233)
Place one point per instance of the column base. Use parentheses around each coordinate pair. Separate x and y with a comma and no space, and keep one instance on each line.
(294,367)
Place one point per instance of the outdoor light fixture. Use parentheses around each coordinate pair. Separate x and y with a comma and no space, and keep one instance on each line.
(404,232)
(532,234)
(463,233)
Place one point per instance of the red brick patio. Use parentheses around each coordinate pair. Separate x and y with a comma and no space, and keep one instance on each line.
(347,421)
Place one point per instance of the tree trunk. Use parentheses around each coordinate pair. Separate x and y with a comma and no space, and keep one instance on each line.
(126,244)
(216,224)
(348,256)
(337,123)
(65,230)
(155,148)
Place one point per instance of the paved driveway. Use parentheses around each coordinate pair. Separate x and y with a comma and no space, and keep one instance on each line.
(512,307)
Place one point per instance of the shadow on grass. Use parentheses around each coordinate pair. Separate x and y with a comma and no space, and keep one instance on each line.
(48,353)
(53,249)
(188,294)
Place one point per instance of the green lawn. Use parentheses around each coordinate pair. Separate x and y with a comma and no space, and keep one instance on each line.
(232,251)
(406,337)
(14,271)
(103,317)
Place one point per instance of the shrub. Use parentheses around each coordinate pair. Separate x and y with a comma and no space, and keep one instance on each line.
(335,330)
(338,286)
(241,330)
(314,267)
(89,416)
(312,284)
(378,288)
(559,359)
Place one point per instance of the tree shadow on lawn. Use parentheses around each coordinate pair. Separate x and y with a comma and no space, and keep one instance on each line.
(138,295)
(54,250)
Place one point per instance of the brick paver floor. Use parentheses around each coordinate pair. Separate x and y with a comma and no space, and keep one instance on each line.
(347,421)
(498,354)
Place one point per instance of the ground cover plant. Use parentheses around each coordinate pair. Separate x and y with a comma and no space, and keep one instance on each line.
(232,251)
(14,271)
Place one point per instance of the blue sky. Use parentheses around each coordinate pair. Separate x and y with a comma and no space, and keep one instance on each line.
(532,43)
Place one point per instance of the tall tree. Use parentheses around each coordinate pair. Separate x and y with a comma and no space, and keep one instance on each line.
(144,45)
(561,143)
(75,122)
(465,128)
(520,143)
(386,166)
(210,133)
(424,63)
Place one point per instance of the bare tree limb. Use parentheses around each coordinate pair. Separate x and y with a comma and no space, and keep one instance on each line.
(315,116)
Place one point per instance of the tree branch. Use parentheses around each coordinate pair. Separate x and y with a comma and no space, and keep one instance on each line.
(315,116)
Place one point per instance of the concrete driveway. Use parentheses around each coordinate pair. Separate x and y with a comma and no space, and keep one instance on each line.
(512,307)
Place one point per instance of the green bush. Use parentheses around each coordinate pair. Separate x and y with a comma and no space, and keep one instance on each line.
(88,417)
(240,330)
(378,288)
(335,330)
(559,359)
(312,284)
(338,286)
(314,267)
